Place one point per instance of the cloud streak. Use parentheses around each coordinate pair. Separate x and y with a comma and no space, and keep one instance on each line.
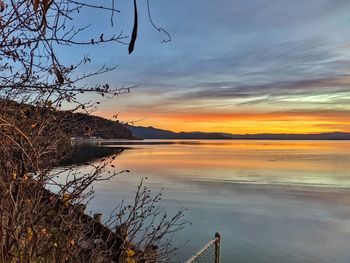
(257,56)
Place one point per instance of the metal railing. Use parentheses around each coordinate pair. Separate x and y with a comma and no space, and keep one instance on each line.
(209,253)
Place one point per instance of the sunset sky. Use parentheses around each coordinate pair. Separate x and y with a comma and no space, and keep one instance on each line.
(257,66)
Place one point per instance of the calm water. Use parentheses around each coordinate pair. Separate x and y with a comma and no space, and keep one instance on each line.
(273,201)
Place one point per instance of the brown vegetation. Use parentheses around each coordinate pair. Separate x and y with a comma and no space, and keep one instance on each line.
(41,219)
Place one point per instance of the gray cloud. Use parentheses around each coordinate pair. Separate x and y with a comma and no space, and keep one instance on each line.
(219,90)
(260,51)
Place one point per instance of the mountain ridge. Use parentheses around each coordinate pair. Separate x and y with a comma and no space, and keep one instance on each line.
(156,133)
(72,124)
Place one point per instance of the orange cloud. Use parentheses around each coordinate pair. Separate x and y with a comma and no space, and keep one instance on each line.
(243,122)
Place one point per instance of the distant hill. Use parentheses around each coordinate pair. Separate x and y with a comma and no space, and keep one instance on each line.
(77,123)
(73,124)
(155,133)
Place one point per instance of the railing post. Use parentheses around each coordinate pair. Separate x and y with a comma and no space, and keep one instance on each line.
(217,247)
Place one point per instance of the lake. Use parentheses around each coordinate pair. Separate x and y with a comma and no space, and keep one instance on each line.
(272,201)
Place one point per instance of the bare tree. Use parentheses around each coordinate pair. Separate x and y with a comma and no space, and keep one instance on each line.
(144,226)
(41,219)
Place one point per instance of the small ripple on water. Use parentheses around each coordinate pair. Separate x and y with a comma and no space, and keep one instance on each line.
(249,253)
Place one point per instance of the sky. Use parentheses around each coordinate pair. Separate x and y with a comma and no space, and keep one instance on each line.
(237,66)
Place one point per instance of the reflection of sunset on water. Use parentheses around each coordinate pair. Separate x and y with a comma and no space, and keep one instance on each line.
(289,199)
(249,161)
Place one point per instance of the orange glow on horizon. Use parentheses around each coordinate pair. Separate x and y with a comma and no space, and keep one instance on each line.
(241,122)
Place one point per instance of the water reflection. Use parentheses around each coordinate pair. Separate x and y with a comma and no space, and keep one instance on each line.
(85,154)
(273,201)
